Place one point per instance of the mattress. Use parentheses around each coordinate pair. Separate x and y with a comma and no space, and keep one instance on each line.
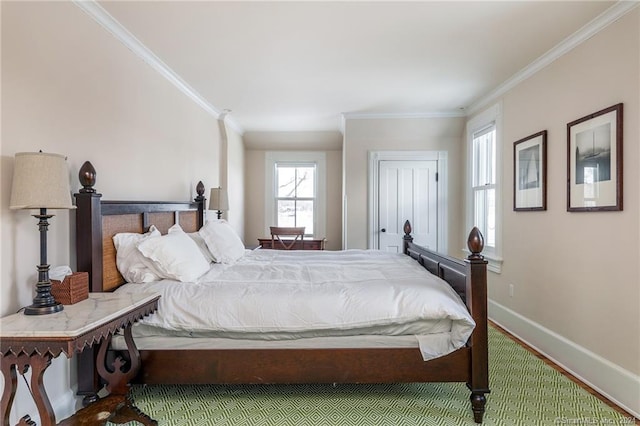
(159,342)
(288,296)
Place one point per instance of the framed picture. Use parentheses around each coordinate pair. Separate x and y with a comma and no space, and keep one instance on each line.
(530,173)
(594,161)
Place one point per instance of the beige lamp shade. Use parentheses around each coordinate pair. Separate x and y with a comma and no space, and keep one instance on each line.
(218,200)
(40,180)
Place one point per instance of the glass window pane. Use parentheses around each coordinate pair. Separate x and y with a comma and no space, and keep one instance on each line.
(296,181)
(304,215)
(475,153)
(286,213)
(306,182)
(485,214)
(484,158)
(490,235)
(479,216)
(286,181)
(492,156)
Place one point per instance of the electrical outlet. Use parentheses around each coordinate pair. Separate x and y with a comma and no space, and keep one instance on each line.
(511,286)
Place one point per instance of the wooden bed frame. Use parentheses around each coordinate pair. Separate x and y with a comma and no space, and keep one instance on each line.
(98,220)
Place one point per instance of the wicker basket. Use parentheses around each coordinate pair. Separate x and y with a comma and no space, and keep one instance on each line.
(72,289)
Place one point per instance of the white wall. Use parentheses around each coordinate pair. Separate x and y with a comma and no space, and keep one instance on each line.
(257,144)
(233,177)
(70,87)
(235,162)
(255,196)
(575,275)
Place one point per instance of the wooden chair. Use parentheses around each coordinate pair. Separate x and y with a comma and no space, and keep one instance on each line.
(286,244)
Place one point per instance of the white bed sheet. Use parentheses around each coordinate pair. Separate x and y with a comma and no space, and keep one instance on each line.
(159,342)
(277,295)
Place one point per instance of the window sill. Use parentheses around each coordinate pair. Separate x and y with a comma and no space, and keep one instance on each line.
(495,262)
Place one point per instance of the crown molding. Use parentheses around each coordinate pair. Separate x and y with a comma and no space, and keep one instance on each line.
(378,116)
(108,22)
(590,29)
(390,115)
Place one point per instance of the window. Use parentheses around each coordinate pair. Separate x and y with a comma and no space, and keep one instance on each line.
(484,191)
(295,195)
(483,185)
(295,191)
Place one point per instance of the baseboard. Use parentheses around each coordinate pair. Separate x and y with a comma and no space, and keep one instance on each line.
(620,386)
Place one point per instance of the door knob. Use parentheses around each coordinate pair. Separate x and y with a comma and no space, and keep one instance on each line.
(383,230)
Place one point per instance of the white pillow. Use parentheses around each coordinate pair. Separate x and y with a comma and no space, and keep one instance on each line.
(197,238)
(222,241)
(130,261)
(176,255)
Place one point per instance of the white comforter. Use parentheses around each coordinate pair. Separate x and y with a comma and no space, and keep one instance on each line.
(271,294)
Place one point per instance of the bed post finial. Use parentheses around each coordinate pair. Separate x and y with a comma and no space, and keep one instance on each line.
(87,177)
(475,243)
(200,199)
(407,236)
(200,191)
(407,227)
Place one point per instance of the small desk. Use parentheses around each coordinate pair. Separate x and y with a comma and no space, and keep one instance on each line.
(305,244)
(33,341)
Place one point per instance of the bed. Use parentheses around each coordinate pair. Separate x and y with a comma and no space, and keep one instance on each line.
(302,359)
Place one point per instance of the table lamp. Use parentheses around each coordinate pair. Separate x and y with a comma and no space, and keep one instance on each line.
(41,181)
(218,200)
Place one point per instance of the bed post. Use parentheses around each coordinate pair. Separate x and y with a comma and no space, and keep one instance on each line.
(89,259)
(200,199)
(407,237)
(88,218)
(476,292)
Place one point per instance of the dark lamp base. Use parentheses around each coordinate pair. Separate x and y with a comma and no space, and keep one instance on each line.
(43,310)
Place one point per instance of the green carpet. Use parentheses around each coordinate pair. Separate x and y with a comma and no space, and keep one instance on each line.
(524,391)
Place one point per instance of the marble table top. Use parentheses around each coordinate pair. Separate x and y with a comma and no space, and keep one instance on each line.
(74,320)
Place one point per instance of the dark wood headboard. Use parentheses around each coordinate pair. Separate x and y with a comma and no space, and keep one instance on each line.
(97,221)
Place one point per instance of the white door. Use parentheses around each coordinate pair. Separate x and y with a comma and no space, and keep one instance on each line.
(407,190)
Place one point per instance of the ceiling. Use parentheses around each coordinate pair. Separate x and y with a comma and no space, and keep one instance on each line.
(299,66)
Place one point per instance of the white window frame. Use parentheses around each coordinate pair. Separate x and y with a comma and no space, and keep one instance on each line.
(490,116)
(296,158)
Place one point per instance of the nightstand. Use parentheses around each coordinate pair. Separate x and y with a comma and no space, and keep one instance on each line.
(32,341)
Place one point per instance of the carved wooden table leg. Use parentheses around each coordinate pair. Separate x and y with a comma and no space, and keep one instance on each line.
(118,380)
(26,421)
(117,407)
(38,363)
(10,386)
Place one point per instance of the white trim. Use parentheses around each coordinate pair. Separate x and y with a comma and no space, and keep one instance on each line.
(441,157)
(590,29)
(317,157)
(494,262)
(400,115)
(443,202)
(344,193)
(614,382)
(108,22)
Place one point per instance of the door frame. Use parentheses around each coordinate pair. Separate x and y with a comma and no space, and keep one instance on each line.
(375,157)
